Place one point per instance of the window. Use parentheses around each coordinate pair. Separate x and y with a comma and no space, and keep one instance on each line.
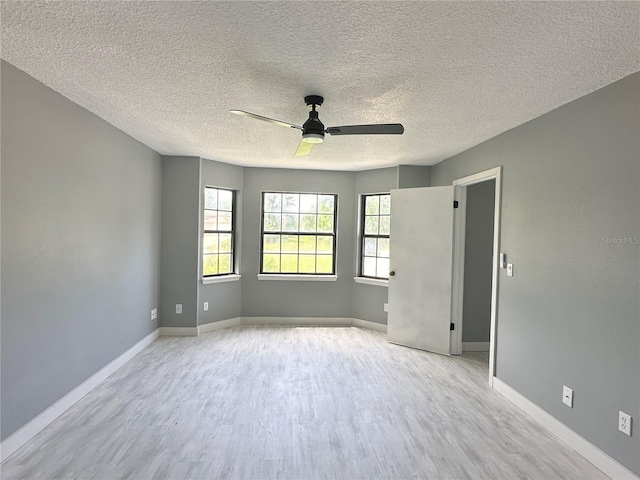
(217,244)
(298,233)
(375,221)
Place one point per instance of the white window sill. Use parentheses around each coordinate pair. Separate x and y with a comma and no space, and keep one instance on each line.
(298,278)
(371,281)
(221,279)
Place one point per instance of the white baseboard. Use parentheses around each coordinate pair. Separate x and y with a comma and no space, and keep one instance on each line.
(178,331)
(275,321)
(582,446)
(378,327)
(210,327)
(298,321)
(17,439)
(475,346)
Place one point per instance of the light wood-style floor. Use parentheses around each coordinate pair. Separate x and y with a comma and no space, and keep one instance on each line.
(295,403)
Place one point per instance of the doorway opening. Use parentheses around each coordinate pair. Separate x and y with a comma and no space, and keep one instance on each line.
(476,264)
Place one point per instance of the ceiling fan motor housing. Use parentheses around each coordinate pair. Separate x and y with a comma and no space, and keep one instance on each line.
(313,126)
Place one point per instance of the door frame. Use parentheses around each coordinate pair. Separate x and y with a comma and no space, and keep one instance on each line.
(459,235)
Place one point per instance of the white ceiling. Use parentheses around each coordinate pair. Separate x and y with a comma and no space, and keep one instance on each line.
(454,73)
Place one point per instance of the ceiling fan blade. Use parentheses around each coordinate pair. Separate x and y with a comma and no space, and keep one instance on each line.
(303,149)
(266,119)
(377,129)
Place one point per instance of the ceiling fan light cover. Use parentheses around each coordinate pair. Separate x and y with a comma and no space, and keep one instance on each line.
(313,138)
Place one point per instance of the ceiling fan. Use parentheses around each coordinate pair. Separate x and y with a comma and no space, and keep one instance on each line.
(313,130)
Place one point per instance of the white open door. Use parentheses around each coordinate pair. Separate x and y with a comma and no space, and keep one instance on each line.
(421,256)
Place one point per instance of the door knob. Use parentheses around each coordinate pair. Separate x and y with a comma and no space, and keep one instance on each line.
(392,273)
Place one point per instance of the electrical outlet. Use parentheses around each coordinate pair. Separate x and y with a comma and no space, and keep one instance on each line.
(154,314)
(206,306)
(509,269)
(567,396)
(179,308)
(624,423)
(385,307)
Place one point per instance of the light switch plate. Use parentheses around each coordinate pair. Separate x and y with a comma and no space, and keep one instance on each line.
(385,307)
(179,308)
(509,269)
(503,260)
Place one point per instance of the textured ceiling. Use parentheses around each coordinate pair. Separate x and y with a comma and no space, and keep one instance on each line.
(454,73)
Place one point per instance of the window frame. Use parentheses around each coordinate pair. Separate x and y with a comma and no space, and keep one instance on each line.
(232,232)
(334,234)
(363,236)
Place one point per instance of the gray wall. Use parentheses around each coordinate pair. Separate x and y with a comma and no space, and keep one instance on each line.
(570,315)
(224,298)
(369,300)
(295,298)
(478,256)
(182,215)
(180,241)
(412,176)
(80,245)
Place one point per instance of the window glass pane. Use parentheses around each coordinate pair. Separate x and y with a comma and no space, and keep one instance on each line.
(385,204)
(289,263)
(371,225)
(325,244)
(210,243)
(224,221)
(217,248)
(370,247)
(308,243)
(372,204)
(225,200)
(385,224)
(271,262)
(376,214)
(272,222)
(289,244)
(290,202)
(225,242)
(307,264)
(369,267)
(325,204)
(308,203)
(289,222)
(325,223)
(271,243)
(210,264)
(324,264)
(383,247)
(210,219)
(211,198)
(308,223)
(272,202)
(382,269)
(224,263)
